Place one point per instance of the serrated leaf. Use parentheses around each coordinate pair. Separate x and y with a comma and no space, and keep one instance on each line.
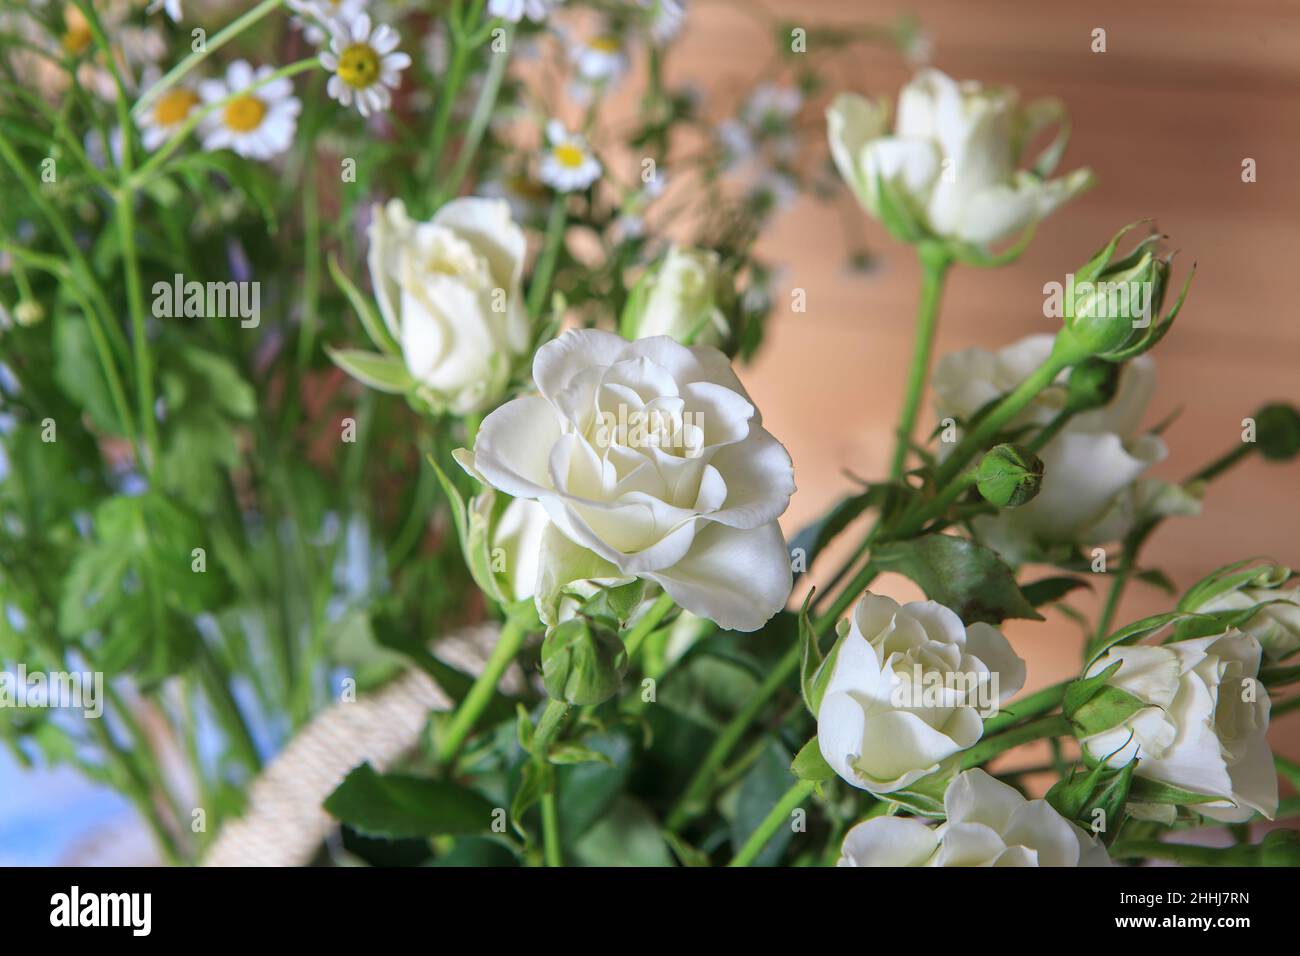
(960,574)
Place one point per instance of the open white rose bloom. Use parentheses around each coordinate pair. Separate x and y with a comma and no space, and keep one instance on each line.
(908,689)
(651,462)
(1204,724)
(988,824)
(951,157)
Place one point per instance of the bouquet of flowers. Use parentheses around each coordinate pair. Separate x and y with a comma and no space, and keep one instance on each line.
(373,455)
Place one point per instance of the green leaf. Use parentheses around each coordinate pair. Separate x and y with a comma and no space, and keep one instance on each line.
(384,373)
(960,574)
(78,372)
(535,780)
(1131,633)
(1157,579)
(1048,590)
(396,805)
(375,327)
(585,792)
(809,764)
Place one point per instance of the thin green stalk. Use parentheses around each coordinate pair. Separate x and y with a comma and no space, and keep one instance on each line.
(216,681)
(513,634)
(777,818)
(934,269)
(990,746)
(213,44)
(1039,702)
(481,117)
(551,830)
(542,273)
(140,341)
(1132,545)
(1223,462)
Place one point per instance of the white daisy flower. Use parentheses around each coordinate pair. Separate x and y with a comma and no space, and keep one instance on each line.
(173,8)
(256,124)
(567,164)
(166,115)
(315,16)
(600,59)
(516,10)
(364,64)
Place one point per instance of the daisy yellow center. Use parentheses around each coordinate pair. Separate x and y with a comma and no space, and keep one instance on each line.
(78,38)
(174,106)
(568,155)
(606,44)
(359,65)
(244,113)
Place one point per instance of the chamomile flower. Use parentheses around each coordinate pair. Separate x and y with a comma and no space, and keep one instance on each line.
(516,10)
(166,115)
(172,7)
(256,124)
(314,16)
(567,163)
(600,59)
(365,64)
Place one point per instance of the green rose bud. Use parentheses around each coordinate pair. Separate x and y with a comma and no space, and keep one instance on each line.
(1092,384)
(1277,431)
(582,664)
(1008,476)
(1112,307)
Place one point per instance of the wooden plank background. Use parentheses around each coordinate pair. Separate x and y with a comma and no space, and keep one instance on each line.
(1184,92)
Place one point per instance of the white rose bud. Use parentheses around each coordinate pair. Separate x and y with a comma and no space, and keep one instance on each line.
(449,292)
(907,690)
(516,547)
(652,463)
(1276,625)
(681,299)
(1090,491)
(952,159)
(988,824)
(1204,728)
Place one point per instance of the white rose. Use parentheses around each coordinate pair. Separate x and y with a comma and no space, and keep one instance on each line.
(1090,492)
(682,298)
(1276,625)
(906,691)
(952,158)
(449,292)
(989,824)
(1205,726)
(652,462)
